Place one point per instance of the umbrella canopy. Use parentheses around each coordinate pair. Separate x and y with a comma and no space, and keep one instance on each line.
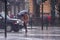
(22,12)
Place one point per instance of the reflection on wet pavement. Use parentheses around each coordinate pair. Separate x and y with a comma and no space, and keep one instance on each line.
(53,33)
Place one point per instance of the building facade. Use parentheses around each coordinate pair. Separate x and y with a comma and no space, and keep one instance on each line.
(15,6)
(46,6)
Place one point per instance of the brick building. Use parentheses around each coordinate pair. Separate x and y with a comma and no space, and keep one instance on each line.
(46,7)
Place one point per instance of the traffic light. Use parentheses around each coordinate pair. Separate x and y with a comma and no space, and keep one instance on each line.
(44,0)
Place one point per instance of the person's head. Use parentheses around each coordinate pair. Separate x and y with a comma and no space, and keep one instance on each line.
(25,12)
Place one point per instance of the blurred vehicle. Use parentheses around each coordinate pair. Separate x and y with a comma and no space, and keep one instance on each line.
(12,23)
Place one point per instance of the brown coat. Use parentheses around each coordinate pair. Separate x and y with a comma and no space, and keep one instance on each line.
(25,18)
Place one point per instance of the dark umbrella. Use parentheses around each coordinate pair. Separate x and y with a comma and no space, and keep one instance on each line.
(23,12)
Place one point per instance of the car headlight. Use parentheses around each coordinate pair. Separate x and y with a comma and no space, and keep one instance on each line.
(17,21)
(20,22)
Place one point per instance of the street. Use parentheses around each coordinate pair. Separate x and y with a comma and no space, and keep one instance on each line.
(17,13)
(53,33)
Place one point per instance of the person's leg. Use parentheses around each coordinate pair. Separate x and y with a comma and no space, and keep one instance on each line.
(47,24)
(25,26)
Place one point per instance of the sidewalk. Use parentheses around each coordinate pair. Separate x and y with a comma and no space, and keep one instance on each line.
(53,33)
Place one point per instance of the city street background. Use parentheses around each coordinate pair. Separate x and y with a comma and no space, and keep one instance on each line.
(41,13)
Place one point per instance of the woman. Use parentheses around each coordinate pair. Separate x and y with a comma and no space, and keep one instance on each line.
(25,18)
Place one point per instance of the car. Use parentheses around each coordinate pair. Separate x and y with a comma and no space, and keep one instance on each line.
(11,23)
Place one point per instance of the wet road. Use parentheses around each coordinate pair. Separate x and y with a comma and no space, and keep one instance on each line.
(53,33)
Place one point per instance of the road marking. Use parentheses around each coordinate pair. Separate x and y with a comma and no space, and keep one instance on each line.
(26,38)
(28,34)
(43,34)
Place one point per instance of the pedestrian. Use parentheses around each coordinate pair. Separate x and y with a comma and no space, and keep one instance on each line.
(46,22)
(25,18)
(49,20)
(46,19)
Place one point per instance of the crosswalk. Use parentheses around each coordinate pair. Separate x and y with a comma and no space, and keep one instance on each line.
(53,33)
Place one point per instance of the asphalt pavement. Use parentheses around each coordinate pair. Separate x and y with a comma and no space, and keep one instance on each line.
(53,33)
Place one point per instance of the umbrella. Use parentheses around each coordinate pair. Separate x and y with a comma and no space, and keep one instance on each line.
(22,12)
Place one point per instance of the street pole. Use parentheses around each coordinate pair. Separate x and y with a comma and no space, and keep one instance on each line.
(42,14)
(5,18)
